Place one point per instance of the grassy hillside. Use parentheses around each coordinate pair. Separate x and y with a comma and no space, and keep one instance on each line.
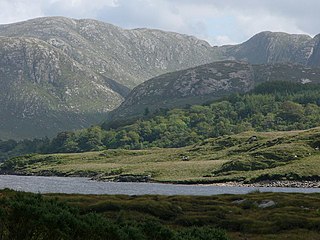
(248,156)
(60,216)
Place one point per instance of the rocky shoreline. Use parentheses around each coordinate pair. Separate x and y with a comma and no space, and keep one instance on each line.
(147,178)
(275,183)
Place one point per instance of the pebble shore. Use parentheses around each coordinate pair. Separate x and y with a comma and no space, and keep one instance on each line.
(285,183)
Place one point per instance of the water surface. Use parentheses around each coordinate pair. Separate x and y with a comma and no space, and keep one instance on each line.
(39,184)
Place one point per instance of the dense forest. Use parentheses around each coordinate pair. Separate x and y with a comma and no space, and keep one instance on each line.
(271,106)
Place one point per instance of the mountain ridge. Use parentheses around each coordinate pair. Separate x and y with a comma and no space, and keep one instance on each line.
(106,48)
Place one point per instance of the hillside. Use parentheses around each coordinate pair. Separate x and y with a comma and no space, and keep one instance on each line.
(43,91)
(206,83)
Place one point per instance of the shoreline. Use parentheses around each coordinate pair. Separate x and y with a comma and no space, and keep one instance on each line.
(265,184)
(272,184)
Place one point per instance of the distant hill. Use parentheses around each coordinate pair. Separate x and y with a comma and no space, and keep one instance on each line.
(273,47)
(206,83)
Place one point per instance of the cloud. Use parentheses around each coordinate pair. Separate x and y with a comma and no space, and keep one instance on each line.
(18,10)
(77,8)
(219,22)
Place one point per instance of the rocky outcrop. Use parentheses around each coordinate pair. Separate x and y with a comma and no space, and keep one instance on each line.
(261,204)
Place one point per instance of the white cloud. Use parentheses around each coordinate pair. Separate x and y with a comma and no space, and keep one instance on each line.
(18,10)
(78,8)
(221,40)
(251,26)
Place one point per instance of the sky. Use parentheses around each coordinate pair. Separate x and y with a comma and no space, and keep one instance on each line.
(217,21)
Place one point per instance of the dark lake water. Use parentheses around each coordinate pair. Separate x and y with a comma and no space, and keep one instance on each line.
(38,184)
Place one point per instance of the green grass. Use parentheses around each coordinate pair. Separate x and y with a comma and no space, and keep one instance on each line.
(289,155)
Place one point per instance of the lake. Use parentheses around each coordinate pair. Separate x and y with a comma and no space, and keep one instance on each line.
(79,185)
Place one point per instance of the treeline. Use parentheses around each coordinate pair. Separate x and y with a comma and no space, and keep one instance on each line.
(31,216)
(271,106)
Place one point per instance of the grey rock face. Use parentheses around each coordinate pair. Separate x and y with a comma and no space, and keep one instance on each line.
(314,59)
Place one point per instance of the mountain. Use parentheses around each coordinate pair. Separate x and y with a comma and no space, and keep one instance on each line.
(60,74)
(206,83)
(132,56)
(44,91)
(273,47)
(126,56)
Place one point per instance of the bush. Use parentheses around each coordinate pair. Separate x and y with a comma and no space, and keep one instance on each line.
(203,233)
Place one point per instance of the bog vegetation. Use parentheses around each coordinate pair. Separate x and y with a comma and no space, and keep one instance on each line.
(57,216)
(30,216)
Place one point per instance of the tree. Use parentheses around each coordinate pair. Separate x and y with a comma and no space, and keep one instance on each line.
(291,111)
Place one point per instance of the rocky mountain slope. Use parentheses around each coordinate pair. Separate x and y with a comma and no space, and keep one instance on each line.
(44,91)
(207,82)
(131,57)
(273,47)
(314,59)
(127,56)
